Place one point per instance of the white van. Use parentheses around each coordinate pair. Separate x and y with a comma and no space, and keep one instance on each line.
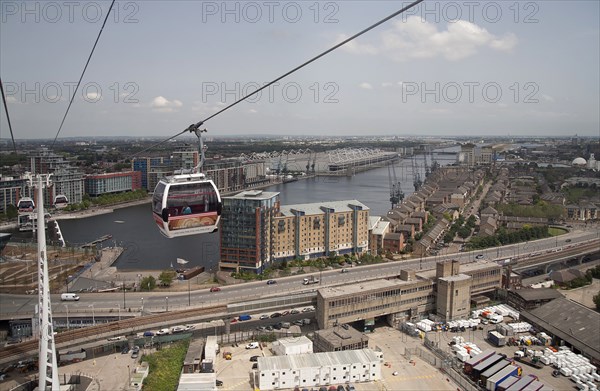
(69,297)
(253,345)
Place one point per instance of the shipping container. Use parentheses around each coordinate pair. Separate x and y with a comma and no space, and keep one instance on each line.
(471,363)
(496,338)
(193,272)
(500,376)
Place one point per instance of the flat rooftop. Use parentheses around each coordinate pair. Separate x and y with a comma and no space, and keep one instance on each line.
(465,268)
(254,195)
(317,360)
(316,208)
(366,286)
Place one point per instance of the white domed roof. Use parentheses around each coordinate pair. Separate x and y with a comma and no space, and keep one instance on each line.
(579,162)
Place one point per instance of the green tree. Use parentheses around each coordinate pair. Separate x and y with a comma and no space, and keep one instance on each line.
(148,283)
(12,212)
(166,277)
(597,301)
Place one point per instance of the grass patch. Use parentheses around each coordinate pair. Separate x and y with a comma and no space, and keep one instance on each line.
(165,367)
(553,231)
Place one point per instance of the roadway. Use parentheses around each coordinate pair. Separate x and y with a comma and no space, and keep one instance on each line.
(103,304)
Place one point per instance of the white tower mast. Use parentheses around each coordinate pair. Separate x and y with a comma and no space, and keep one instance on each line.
(48,368)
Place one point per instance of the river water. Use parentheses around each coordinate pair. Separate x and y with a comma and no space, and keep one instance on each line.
(134,229)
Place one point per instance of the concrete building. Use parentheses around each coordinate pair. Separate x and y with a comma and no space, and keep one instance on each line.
(146,165)
(338,338)
(247,229)
(411,296)
(318,369)
(66,180)
(114,182)
(292,345)
(466,156)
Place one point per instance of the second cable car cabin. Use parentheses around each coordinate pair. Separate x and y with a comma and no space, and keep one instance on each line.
(61,201)
(25,205)
(185,205)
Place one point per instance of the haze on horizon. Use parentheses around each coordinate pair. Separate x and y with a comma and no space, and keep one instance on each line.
(445,69)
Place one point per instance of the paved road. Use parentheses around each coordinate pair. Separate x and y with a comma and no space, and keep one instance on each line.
(97,303)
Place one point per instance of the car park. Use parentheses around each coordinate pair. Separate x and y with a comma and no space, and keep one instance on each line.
(215,289)
(271,282)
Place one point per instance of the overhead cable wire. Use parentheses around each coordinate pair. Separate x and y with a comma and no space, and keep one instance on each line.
(8,117)
(195,126)
(82,73)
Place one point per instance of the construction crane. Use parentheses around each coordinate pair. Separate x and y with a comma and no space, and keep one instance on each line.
(396,194)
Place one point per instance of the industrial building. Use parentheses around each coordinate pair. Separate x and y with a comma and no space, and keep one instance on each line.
(318,369)
(445,291)
(569,323)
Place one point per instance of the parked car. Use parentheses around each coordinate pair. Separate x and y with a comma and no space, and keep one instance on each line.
(233,320)
(253,345)
(285,313)
(568,240)
(148,333)
(255,366)
(307,309)
(298,322)
(271,282)
(254,358)
(118,338)
(263,317)
(479,256)
(275,315)
(344,270)
(125,350)
(215,289)
(294,311)
(219,383)
(163,332)
(135,353)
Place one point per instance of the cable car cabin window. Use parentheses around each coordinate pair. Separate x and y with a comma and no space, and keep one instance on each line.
(192,205)
(157,198)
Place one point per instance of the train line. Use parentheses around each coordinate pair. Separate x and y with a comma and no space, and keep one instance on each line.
(91,333)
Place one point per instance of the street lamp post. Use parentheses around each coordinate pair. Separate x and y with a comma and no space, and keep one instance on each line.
(142,312)
(167,302)
(93,314)
(119,308)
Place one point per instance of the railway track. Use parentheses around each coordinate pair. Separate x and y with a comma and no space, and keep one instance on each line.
(91,333)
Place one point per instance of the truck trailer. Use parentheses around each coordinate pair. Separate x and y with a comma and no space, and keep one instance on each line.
(491,371)
(473,361)
(503,374)
(485,365)
(522,383)
(496,338)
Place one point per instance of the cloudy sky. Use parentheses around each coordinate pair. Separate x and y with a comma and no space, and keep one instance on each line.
(445,68)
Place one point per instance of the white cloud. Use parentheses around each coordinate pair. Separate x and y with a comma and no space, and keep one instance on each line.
(252,111)
(355,47)
(366,86)
(160,103)
(92,96)
(418,39)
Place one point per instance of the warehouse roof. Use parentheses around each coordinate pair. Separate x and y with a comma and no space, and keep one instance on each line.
(570,321)
(537,294)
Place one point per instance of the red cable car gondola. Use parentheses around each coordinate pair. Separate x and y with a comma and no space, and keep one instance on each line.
(187,204)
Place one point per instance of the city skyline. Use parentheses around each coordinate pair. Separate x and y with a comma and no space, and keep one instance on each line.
(499,70)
